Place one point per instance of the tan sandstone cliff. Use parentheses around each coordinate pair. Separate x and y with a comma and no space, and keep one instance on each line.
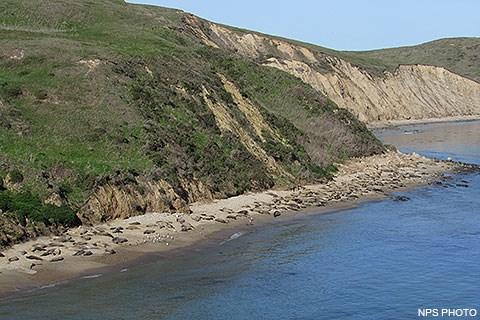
(412,92)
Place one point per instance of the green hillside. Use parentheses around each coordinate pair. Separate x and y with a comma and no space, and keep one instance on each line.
(101,93)
(459,55)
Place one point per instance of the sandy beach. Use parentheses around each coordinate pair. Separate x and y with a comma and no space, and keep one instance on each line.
(396,123)
(80,251)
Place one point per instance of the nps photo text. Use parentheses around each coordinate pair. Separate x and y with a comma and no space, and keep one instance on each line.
(448,312)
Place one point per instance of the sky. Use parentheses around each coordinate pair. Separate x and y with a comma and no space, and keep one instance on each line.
(343,24)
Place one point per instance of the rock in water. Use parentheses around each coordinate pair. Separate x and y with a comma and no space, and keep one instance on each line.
(401,198)
(277,214)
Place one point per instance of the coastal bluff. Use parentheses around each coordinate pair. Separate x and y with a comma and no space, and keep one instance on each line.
(377,94)
(104,118)
(76,251)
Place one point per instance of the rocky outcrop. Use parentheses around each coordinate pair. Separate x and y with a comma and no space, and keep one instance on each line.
(118,198)
(11,231)
(412,92)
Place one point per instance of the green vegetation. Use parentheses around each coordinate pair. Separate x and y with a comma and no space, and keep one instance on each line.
(184,142)
(458,55)
(299,112)
(91,90)
(102,92)
(25,206)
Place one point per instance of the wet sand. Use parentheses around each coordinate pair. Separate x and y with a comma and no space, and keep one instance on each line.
(81,251)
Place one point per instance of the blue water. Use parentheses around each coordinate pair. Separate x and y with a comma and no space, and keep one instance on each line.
(379,260)
(459,141)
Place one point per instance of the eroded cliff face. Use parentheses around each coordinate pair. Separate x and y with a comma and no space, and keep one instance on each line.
(412,92)
(226,123)
(123,134)
(123,199)
(13,231)
(126,196)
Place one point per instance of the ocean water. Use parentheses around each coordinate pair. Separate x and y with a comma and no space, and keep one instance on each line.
(459,141)
(378,260)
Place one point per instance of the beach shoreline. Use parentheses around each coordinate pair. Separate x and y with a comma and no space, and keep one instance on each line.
(391,124)
(86,251)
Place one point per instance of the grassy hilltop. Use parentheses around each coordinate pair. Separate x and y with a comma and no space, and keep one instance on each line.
(103,93)
(459,55)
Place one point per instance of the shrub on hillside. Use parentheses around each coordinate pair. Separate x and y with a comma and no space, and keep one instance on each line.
(16,176)
(10,91)
(25,205)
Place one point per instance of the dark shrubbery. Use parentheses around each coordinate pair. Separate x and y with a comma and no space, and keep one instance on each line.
(25,205)
(184,141)
(16,176)
(10,91)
